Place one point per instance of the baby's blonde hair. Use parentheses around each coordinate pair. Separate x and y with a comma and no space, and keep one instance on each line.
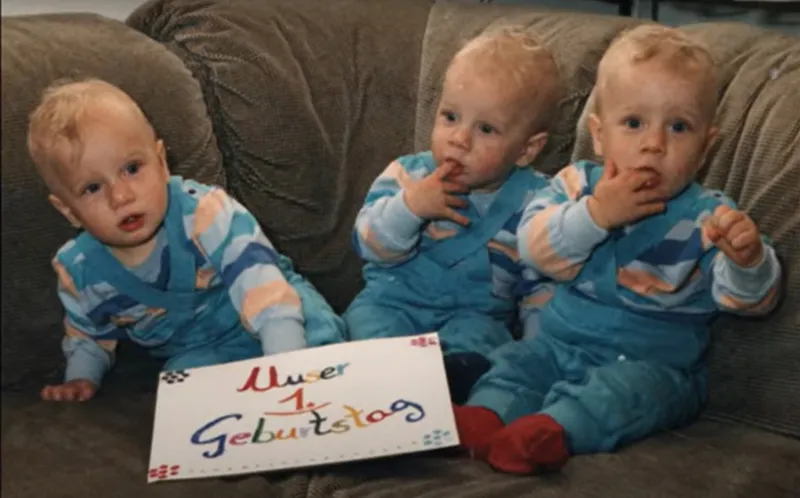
(671,47)
(56,121)
(512,52)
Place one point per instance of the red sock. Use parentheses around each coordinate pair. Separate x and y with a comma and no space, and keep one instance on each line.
(527,445)
(475,426)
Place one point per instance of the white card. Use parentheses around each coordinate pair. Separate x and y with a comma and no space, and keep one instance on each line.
(356,400)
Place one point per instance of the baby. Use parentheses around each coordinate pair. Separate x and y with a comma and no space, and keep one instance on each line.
(646,258)
(438,228)
(175,266)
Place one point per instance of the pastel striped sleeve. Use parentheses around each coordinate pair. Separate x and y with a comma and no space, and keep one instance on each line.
(386,231)
(88,355)
(738,290)
(232,240)
(556,233)
(746,291)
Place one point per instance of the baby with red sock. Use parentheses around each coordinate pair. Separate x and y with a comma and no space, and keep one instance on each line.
(645,257)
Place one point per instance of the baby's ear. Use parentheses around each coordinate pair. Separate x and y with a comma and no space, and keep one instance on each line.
(162,155)
(596,130)
(65,211)
(532,148)
(710,136)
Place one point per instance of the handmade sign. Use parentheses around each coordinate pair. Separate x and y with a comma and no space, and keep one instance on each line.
(317,406)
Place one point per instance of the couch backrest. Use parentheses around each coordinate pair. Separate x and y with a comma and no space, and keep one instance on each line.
(755,159)
(308,113)
(36,51)
(311,100)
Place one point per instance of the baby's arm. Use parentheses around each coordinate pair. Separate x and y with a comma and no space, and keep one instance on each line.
(742,290)
(556,234)
(746,291)
(386,231)
(232,240)
(750,286)
(88,358)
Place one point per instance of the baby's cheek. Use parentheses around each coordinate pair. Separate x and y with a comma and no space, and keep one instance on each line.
(684,174)
(494,158)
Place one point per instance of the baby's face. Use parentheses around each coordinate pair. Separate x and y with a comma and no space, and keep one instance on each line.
(480,126)
(654,119)
(117,189)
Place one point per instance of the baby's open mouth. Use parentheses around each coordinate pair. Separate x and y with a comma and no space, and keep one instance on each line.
(132,222)
(655,177)
(458,168)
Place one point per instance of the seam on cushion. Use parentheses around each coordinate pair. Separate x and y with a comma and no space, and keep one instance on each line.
(422,52)
(229,137)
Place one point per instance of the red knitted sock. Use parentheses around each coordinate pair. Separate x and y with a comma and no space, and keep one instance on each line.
(527,445)
(475,426)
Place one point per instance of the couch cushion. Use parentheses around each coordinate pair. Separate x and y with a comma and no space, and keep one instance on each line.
(755,364)
(576,40)
(74,450)
(36,51)
(310,101)
(706,460)
(70,450)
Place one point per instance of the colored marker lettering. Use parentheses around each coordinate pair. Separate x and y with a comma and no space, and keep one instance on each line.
(256,382)
(223,432)
(299,405)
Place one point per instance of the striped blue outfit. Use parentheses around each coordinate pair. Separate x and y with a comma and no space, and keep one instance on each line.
(620,350)
(463,282)
(213,290)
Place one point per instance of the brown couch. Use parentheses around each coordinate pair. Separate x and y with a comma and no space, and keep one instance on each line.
(295,106)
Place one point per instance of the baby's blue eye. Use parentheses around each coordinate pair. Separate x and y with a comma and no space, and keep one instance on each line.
(132,168)
(486,128)
(91,188)
(633,123)
(679,127)
(449,116)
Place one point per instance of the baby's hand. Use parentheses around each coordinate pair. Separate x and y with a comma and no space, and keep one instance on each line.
(432,197)
(623,197)
(736,235)
(76,390)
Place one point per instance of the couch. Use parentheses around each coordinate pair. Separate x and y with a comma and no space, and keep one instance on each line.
(294,107)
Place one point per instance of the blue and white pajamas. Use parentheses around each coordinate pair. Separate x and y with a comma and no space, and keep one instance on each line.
(213,290)
(620,349)
(463,282)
